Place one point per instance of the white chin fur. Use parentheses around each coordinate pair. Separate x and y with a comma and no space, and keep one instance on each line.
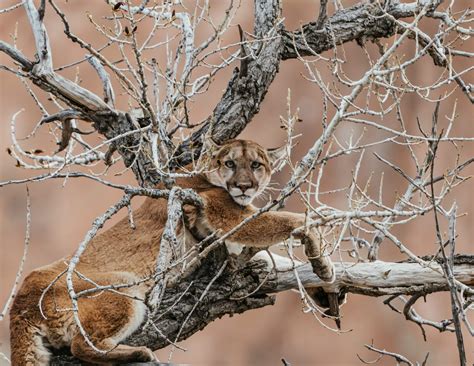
(243,201)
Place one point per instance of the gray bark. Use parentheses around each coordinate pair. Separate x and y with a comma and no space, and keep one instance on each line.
(361,22)
(238,281)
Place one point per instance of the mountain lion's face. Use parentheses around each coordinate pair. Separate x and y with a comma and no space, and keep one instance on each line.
(243,168)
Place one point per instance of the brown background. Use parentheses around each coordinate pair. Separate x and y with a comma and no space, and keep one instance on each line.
(62,214)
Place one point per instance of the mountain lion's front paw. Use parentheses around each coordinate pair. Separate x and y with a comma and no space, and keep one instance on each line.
(322,264)
(143,354)
(324,268)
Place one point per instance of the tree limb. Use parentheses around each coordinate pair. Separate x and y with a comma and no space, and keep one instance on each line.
(232,292)
(381,278)
(245,91)
(361,21)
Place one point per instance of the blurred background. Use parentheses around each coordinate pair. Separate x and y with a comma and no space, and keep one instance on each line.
(62,211)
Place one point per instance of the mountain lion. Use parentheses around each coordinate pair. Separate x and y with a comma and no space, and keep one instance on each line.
(238,172)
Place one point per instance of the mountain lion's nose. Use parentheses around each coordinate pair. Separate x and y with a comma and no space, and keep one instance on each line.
(243,186)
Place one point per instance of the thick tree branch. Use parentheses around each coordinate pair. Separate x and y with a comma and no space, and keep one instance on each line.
(230,293)
(381,278)
(245,91)
(359,22)
(233,292)
(16,55)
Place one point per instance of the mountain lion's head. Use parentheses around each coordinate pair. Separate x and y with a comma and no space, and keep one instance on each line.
(243,168)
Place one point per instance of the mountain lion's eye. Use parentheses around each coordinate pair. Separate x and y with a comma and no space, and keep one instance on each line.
(255,165)
(230,164)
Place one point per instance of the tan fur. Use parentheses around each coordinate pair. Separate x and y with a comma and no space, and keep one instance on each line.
(123,255)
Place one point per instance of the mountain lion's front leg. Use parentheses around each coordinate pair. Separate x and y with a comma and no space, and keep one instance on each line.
(273,227)
(221,213)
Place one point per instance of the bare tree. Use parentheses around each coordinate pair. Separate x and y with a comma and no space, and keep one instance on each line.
(152,67)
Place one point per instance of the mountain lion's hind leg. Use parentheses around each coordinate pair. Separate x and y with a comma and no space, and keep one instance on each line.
(118,353)
(109,319)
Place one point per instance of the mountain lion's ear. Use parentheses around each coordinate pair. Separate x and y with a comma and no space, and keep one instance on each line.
(276,156)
